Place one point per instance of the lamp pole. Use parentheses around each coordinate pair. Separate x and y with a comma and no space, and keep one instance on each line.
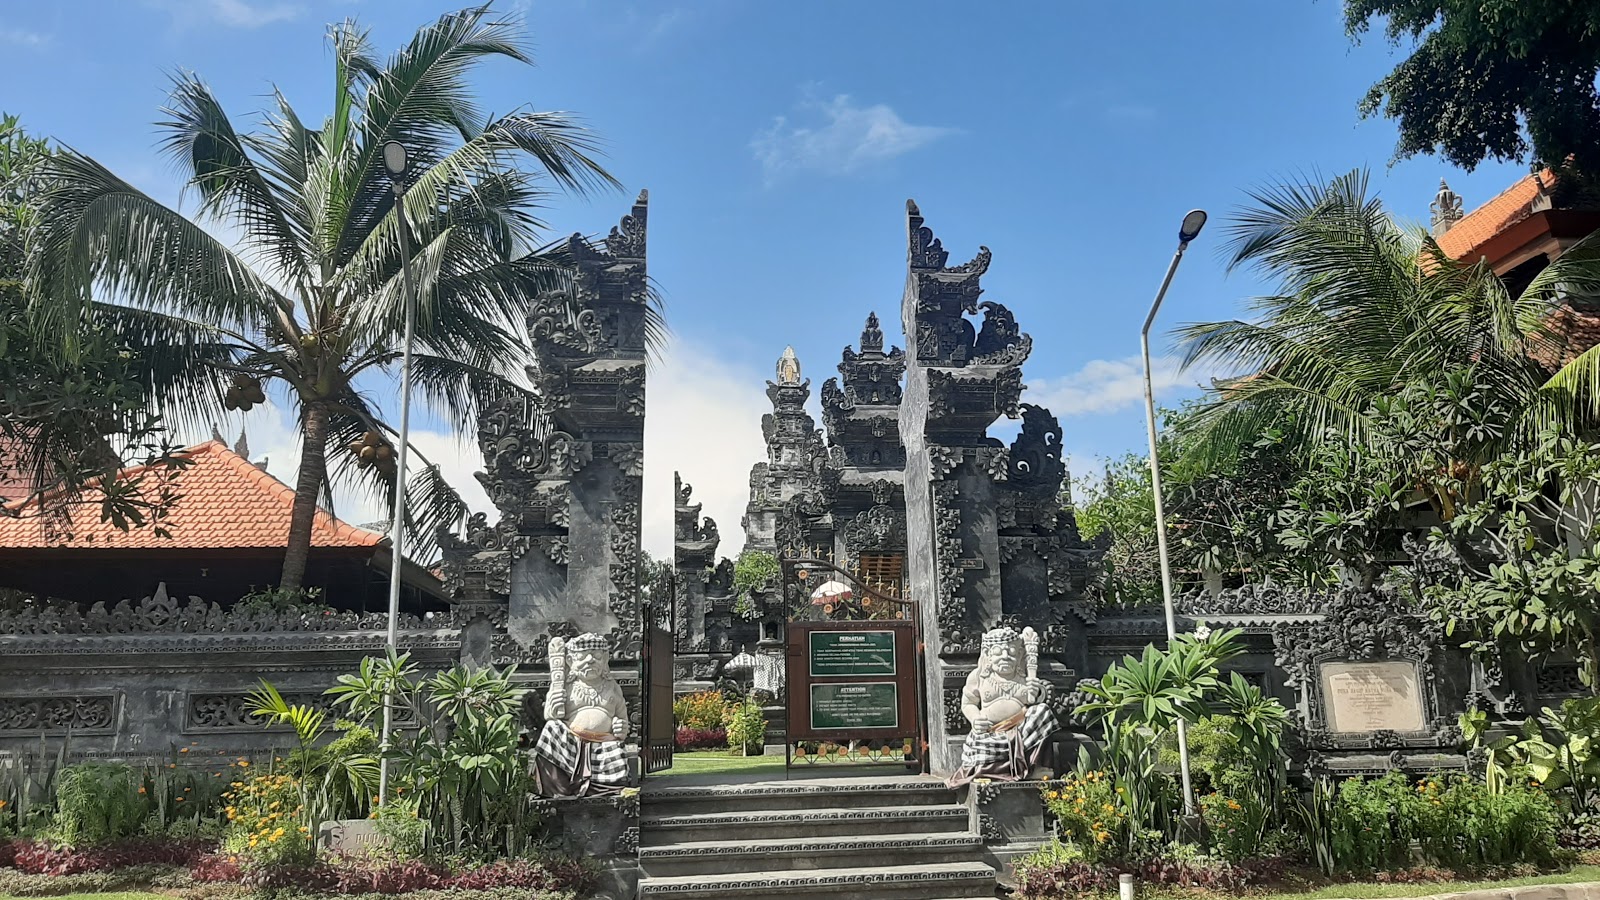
(395,163)
(1188,231)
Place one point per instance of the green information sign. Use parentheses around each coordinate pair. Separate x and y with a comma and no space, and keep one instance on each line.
(852,653)
(859,705)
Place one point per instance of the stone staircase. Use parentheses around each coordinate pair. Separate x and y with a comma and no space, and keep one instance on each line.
(884,839)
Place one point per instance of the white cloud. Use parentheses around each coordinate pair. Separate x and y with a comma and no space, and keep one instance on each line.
(229,13)
(844,138)
(704,422)
(1108,385)
(21,37)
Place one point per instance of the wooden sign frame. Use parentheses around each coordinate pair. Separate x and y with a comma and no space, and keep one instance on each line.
(800,725)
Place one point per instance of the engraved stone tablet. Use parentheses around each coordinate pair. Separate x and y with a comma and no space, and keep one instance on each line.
(1372,696)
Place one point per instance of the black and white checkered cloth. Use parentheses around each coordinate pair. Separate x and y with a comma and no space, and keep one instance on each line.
(986,751)
(608,765)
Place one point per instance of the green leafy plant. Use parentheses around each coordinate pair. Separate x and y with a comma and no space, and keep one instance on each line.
(275,600)
(460,765)
(753,571)
(97,803)
(747,728)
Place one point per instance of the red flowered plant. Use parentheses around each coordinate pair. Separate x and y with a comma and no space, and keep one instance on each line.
(40,858)
(689,738)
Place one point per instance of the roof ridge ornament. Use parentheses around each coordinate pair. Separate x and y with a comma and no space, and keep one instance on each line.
(925,250)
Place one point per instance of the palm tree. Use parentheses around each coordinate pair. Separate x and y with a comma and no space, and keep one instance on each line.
(310,298)
(1366,306)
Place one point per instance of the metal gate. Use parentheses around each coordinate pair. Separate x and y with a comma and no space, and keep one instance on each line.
(659,731)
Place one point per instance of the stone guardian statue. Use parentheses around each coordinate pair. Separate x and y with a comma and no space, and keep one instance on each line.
(1004,700)
(580,749)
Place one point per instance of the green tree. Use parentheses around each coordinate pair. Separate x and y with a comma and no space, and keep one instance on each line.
(1506,79)
(1365,308)
(1119,505)
(69,420)
(311,297)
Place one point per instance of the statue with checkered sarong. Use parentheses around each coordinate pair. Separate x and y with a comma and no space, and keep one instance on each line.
(580,749)
(1003,700)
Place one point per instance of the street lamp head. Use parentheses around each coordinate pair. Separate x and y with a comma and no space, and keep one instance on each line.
(394,159)
(1192,223)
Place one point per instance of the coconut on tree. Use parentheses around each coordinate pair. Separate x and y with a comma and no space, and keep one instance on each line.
(309,298)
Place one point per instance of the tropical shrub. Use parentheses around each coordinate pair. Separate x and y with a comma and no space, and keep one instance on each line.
(97,803)
(707,709)
(1462,824)
(460,764)
(747,728)
(403,831)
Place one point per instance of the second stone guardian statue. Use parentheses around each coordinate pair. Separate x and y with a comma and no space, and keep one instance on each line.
(1004,701)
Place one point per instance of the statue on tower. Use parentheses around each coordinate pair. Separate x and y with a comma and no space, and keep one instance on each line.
(580,750)
(1004,702)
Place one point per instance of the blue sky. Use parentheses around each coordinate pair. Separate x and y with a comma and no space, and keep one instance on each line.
(779,143)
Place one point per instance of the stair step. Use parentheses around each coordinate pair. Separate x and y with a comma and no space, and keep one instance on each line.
(722,857)
(853,792)
(743,825)
(921,882)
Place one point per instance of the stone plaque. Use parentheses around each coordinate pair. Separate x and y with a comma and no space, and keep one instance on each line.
(1372,696)
(858,705)
(855,653)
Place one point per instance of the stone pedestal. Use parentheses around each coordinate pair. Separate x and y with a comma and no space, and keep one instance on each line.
(1011,818)
(604,830)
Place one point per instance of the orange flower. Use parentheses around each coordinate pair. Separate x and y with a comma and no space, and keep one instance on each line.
(183,750)
(141,790)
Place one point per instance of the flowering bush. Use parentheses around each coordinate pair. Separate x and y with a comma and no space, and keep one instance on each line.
(700,738)
(707,709)
(266,821)
(1090,813)
(1237,825)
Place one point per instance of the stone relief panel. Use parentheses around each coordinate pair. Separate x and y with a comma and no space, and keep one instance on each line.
(80,714)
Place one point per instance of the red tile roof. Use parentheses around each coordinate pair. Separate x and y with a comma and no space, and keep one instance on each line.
(224,502)
(1513,205)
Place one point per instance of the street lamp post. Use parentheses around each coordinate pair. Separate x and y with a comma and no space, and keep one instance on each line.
(395,163)
(1188,231)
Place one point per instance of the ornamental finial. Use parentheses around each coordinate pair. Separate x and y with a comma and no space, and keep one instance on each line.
(1446,209)
(788,367)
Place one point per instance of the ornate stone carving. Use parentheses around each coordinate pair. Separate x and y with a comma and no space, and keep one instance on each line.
(58,715)
(878,528)
(1363,625)
(162,614)
(1035,464)
(1251,600)
(627,238)
(210,711)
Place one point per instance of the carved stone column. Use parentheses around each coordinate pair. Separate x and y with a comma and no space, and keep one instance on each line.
(959,380)
(565,464)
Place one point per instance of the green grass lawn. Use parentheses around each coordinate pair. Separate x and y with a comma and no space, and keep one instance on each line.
(706,762)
